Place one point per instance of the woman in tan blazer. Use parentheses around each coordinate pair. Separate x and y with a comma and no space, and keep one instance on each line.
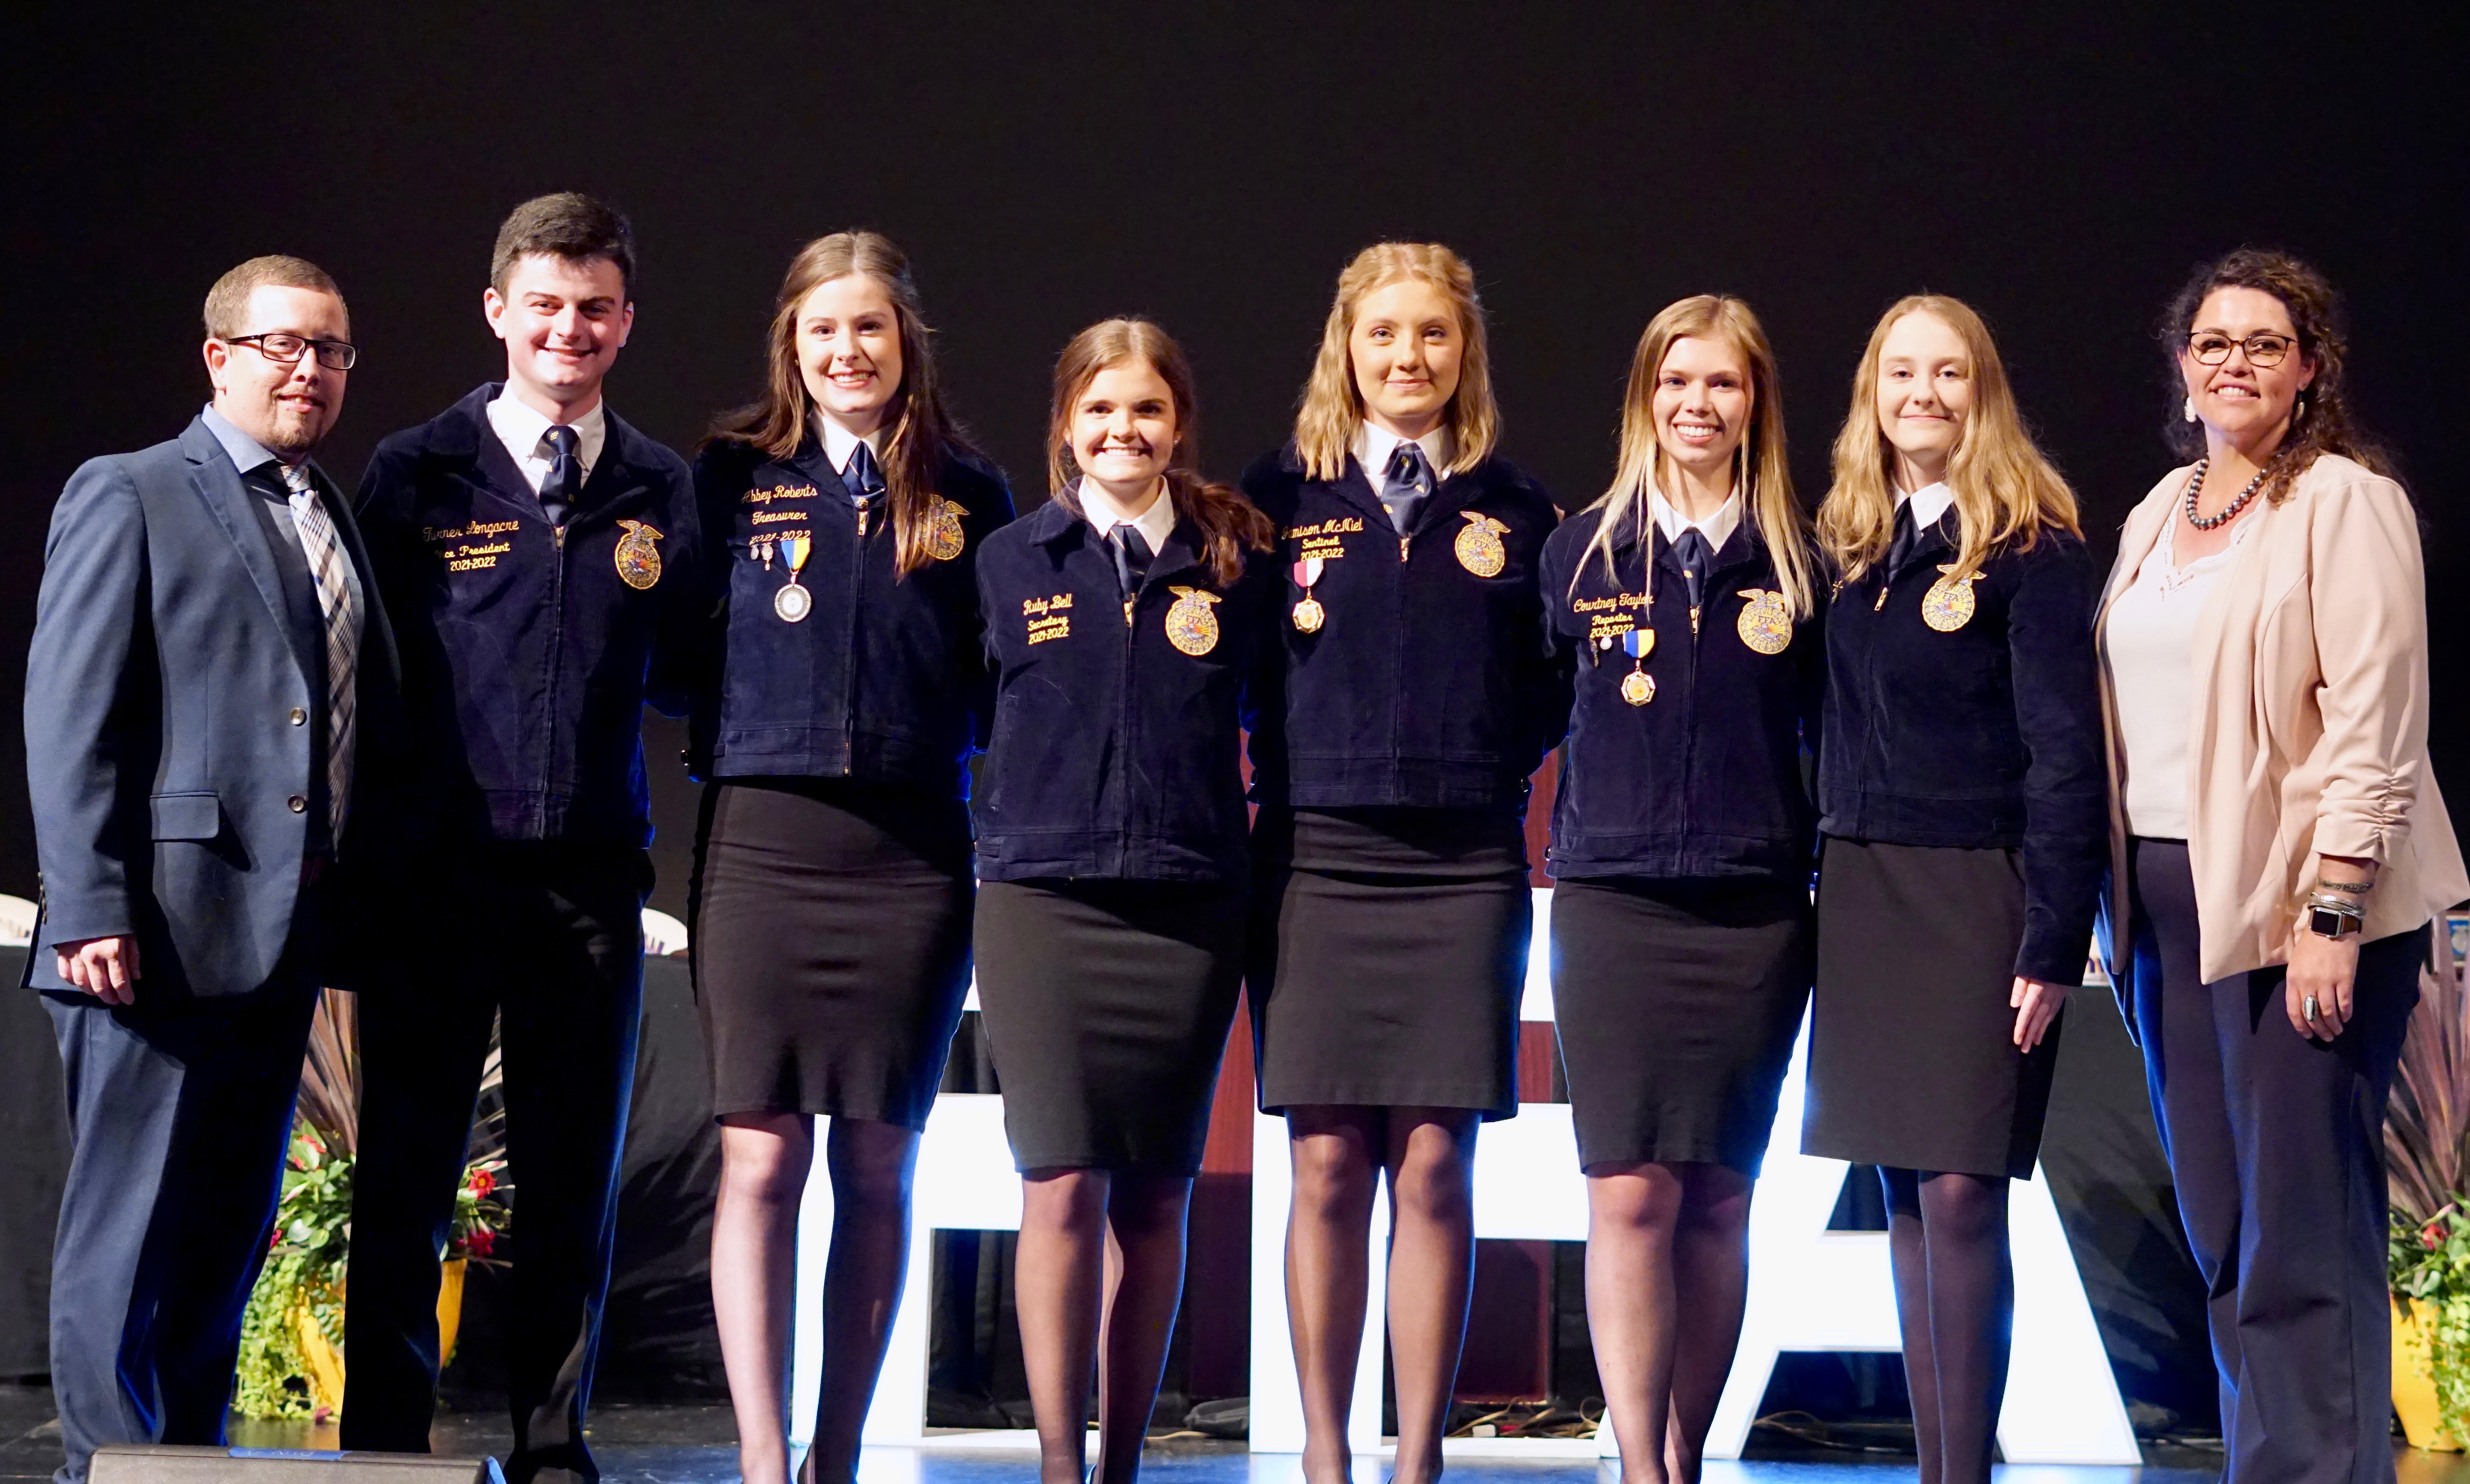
(2277,848)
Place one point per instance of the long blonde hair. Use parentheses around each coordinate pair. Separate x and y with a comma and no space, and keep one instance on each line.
(921,433)
(2005,490)
(1762,474)
(1228,524)
(1332,409)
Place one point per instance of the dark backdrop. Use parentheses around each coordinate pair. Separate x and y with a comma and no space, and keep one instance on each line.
(1214,167)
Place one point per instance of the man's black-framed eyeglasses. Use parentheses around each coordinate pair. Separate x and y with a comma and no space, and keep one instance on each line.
(2211,347)
(332,354)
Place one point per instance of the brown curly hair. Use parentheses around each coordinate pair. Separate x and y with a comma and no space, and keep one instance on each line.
(2321,421)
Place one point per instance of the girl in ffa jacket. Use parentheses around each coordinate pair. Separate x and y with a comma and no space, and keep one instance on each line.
(1125,622)
(840,707)
(1391,903)
(1962,805)
(1680,850)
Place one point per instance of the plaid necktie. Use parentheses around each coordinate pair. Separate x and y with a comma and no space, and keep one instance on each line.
(326,559)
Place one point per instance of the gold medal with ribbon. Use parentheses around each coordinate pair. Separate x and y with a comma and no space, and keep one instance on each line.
(1479,547)
(1190,625)
(943,537)
(1765,623)
(793,602)
(1309,615)
(1948,606)
(638,560)
(1638,687)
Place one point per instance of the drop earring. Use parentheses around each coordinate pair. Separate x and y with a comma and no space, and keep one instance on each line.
(2188,410)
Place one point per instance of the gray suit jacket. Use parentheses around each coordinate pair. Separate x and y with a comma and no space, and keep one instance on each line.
(167,769)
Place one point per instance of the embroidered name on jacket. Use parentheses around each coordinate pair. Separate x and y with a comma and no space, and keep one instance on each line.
(769,493)
(1325,538)
(470,548)
(1047,617)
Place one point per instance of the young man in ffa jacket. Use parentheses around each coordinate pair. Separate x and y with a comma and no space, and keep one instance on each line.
(208,656)
(540,554)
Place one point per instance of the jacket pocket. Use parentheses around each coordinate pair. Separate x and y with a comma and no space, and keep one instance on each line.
(186,816)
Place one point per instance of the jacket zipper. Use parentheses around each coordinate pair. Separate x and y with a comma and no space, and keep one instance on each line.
(1124,745)
(848,635)
(557,666)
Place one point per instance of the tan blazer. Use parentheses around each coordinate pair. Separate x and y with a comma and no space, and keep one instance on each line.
(2308,719)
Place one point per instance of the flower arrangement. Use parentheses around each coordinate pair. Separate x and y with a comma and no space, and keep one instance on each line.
(291,1333)
(2427,1158)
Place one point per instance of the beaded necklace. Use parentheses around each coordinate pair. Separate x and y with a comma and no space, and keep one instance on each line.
(2228,512)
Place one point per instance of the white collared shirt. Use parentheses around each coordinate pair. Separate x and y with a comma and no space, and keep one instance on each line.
(1717,528)
(1155,524)
(1930,503)
(839,443)
(524,432)
(1373,447)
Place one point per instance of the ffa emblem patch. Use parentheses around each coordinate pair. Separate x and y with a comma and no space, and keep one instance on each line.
(638,560)
(1948,606)
(1190,624)
(1766,624)
(1479,547)
(944,530)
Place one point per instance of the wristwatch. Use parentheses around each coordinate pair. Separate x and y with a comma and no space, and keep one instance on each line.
(2333,916)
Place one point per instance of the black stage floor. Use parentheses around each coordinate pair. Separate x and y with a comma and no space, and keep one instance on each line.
(670,1444)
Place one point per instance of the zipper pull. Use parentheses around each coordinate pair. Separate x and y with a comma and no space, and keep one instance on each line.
(1402,548)
(1694,621)
(1880,605)
(1128,611)
(559,533)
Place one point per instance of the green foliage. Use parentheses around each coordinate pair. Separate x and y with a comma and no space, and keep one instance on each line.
(305,1268)
(308,1265)
(2429,1262)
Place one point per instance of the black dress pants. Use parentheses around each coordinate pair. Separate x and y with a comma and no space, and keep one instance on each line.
(548,940)
(2276,1146)
(180,1115)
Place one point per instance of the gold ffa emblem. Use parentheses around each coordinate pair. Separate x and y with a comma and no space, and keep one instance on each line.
(1948,606)
(638,560)
(1479,547)
(1190,624)
(944,530)
(1766,624)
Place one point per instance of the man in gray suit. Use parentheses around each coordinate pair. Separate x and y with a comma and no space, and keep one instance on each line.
(208,653)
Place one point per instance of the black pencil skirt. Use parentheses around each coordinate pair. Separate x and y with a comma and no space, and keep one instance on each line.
(1106,1005)
(1388,954)
(1677,1002)
(831,946)
(1912,1056)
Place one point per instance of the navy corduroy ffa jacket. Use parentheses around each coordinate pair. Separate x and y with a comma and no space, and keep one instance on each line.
(1706,777)
(1117,749)
(529,651)
(1984,734)
(884,680)
(1428,683)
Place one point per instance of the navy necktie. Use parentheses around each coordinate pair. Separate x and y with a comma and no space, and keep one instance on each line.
(1406,483)
(863,476)
(1697,561)
(1131,557)
(564,486)
(1908,535)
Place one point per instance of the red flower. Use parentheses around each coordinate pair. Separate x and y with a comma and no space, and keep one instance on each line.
(482,1182)
(2429,1239)
(479,1241)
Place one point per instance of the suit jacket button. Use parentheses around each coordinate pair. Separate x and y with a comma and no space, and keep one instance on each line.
(299,805)
(299,717)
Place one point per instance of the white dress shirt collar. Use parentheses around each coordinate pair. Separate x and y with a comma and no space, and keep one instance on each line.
(525,431)
(1155,524)
(1373,447)
(1717,528)
(1930,503)
(839,443)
